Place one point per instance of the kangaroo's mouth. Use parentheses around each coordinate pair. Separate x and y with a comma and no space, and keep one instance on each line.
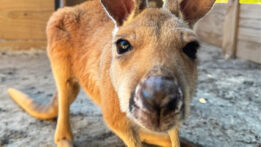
(157,104)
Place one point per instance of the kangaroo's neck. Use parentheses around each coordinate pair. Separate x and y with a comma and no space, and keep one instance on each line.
(93,50)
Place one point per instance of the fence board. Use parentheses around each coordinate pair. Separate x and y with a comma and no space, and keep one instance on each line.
(229,43)
(23,44)
(250,11)
(24,19)
(248,45)
(249,33)
(249,50)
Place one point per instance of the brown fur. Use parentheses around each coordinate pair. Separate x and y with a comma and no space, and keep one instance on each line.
(81,52)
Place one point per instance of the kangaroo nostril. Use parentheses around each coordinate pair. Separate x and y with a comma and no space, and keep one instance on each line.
(172,104)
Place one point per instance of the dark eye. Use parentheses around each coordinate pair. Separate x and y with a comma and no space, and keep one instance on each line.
(191,49)
(123,46)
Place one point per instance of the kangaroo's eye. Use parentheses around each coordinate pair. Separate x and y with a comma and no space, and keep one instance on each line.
(123,46)
(191,49)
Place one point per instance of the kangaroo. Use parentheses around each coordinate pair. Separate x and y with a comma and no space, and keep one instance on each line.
(138,64)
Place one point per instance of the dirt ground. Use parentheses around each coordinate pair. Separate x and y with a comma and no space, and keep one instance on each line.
(229,118)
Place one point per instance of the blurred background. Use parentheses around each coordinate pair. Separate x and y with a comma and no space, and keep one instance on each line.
(225,111)
(232,25)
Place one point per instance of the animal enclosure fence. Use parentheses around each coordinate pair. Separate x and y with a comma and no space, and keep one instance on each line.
(234,27)
(23,23)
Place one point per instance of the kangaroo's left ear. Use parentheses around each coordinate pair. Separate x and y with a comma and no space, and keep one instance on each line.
(189,10)
(120,10)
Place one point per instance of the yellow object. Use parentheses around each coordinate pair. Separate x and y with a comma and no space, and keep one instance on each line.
(242,1)
(202,100)
(221,1)
(250,1)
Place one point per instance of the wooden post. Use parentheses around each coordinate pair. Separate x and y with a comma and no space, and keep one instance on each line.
(229,44)
(64,2)
(60,4)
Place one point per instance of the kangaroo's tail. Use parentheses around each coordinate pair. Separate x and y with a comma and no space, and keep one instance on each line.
(36,110)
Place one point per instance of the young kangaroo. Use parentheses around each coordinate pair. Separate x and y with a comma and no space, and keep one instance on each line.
(137,63)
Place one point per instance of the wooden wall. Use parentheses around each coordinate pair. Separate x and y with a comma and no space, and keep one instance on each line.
(248,38)
(23,23)
(210,27)
(249,33)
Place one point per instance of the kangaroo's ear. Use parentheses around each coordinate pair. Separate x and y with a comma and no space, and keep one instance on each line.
(189,10)
(120,10)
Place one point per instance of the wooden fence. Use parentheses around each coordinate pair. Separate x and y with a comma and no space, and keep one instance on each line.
(23,23)
(234,27)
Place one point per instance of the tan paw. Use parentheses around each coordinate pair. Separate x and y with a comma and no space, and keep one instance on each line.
(64,143)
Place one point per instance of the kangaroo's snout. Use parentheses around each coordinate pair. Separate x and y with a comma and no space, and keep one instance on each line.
(161,93)
(157,103)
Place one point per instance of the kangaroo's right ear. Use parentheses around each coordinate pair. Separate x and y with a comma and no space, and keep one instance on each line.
(121,10)
(189,10)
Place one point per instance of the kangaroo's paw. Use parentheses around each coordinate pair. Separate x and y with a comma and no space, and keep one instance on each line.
(64,143)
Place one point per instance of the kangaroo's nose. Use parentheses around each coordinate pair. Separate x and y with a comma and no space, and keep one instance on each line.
(158,92)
